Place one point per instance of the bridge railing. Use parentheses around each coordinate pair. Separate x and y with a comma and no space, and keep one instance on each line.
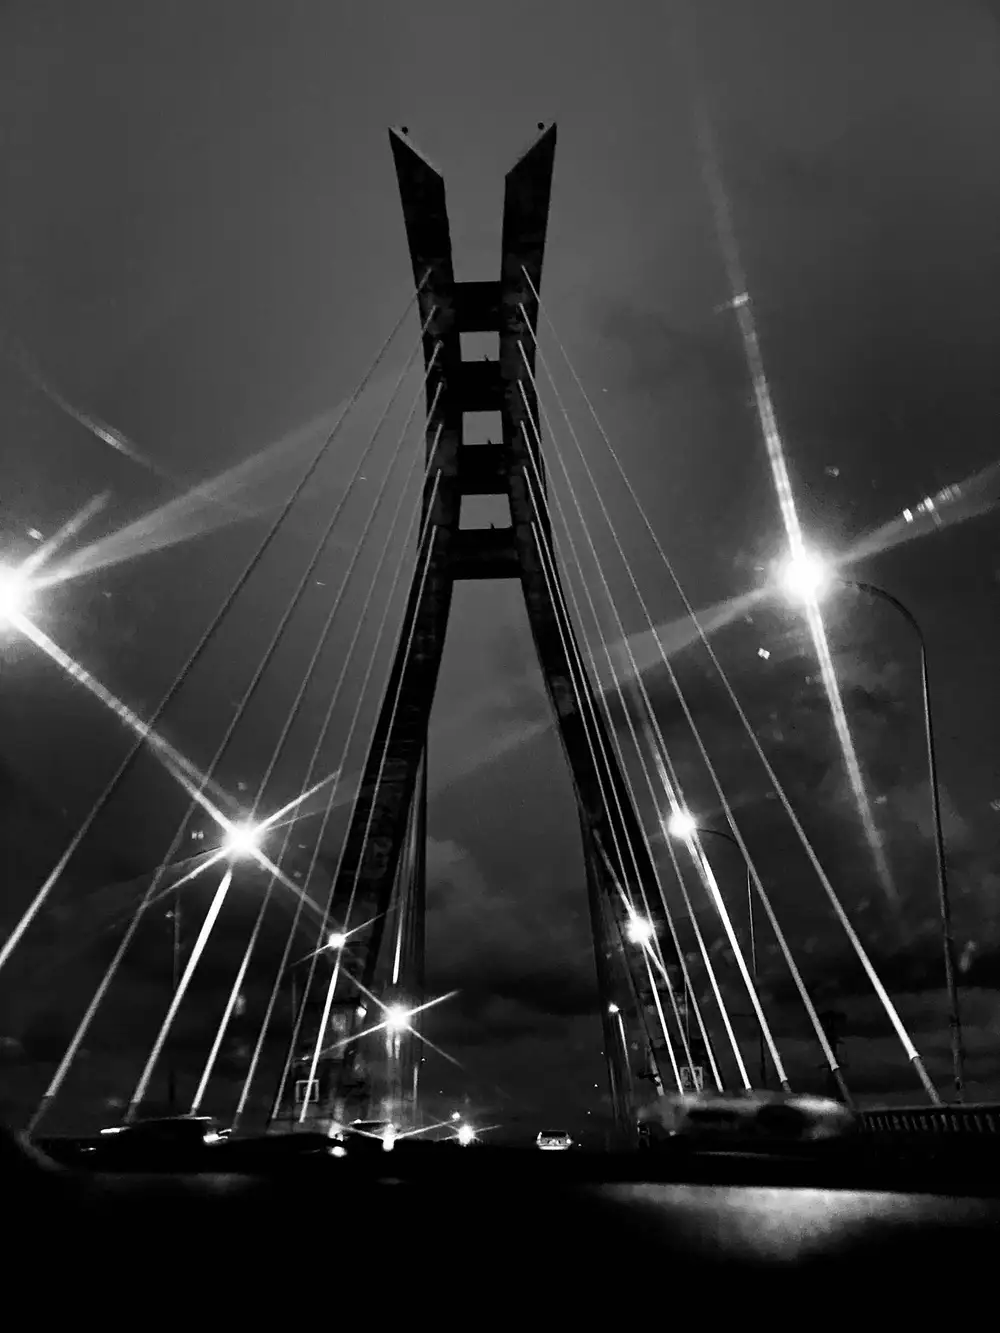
(975,1118)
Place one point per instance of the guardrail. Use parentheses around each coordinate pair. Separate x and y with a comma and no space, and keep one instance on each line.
(981,1118)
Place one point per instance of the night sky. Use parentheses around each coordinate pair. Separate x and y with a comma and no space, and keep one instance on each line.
(202,247)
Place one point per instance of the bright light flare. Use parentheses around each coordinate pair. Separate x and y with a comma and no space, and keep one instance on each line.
(336,940)
(399,1014)
(15,595)
(465,1135)
(639,930)
(682,825)
(805,576)
(243,840)
(397,1018)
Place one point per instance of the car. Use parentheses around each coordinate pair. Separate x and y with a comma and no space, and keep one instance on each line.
(774,1117)
(178,1131)
(553,1140)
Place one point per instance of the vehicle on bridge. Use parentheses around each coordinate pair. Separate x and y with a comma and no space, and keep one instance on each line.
(554,1140)
(164,1139)
(774,1117)
(176,1131)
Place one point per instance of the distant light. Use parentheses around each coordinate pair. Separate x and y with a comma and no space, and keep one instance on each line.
(613,1009)
(14,594)
(242,840)
(805,576)
(338,1151)
(361,1011)
(389,1138)
(466,1135)
(34,534)
(336,939)
(639,930)
(763,652)
(456,1115)
(397,1018)
(682,824)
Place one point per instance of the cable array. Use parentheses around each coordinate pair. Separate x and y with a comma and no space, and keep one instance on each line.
(668,777)
(200,647)
(207,778)
(599,685)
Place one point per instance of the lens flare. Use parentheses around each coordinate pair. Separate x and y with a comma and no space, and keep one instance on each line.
(243,840)
(639,930)
(397,1018)
(681,824)
(15,595)
(805,576)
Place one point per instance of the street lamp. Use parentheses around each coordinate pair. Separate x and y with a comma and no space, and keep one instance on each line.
(806,575)
(684,826)
(242,840)
(397,1018)
(808,572)
(639,930)
(175,982)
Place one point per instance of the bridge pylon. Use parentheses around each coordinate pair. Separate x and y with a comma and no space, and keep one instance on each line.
(387,827)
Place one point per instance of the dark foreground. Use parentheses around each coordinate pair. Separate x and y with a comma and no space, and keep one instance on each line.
(854,1233)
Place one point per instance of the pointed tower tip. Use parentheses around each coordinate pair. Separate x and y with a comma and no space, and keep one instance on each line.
(543,142)
(399,138)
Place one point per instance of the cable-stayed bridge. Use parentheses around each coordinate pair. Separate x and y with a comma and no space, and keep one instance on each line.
(315,887)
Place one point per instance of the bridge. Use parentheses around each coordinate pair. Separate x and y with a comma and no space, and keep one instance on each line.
(315,887)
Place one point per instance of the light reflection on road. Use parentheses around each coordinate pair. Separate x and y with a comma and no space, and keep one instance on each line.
(793,1223)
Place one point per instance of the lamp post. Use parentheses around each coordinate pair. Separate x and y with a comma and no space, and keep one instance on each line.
(809,576)
(683,826)
(175,981)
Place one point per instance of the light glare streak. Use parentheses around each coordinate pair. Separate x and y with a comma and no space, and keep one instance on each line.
(69,529)
(768,424)
(207,505)
(173,760)
(100,430)
(958,503)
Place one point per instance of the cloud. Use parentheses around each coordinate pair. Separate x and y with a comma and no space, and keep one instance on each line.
(524,943)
